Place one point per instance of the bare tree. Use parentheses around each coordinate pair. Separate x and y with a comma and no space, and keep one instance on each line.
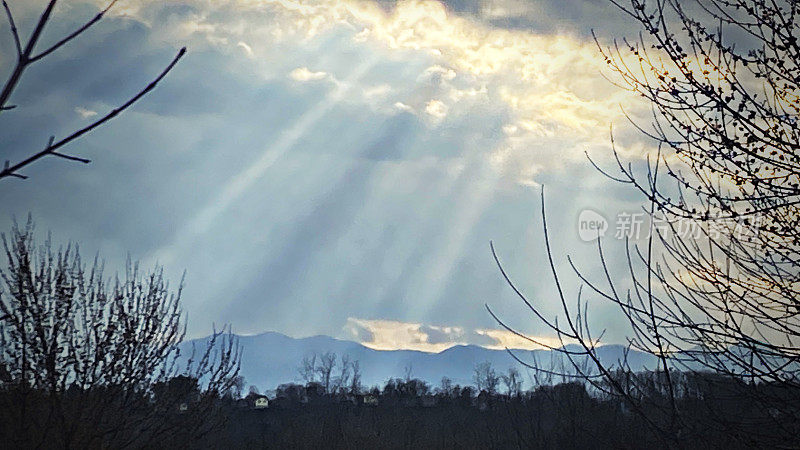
(28,55)
(513,382)
(308,368)
(719,302)
(83,355)
(322,368)
(341,381)
(325,368)
(486,378)
(355,379)
(445,387)
(237,386)
(408,372)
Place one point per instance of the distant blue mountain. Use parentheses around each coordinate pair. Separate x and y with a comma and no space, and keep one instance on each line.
(270,359)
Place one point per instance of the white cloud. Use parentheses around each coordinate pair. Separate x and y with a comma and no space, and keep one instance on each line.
(396,335)
(506,339)
(85,113)
(304,74)
(373,93)
(549,85)
(403,107)
(437,109)
(437,73)
(247,49)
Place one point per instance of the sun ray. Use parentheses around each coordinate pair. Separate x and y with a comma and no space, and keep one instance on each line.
(239,184)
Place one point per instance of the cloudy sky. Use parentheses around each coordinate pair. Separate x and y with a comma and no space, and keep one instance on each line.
(333,166)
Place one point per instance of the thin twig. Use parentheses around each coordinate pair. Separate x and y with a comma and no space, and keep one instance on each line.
(13,28)
(52,147)
(74,34)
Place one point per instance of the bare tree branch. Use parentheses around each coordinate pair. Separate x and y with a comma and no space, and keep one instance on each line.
(721,303)
(51,148)
(13,25)
(26,58)
(74,34)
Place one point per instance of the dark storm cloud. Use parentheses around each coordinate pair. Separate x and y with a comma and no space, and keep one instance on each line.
(574,17)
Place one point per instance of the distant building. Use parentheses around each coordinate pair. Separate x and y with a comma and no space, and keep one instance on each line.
(257,401)
(261,402)
(370,400)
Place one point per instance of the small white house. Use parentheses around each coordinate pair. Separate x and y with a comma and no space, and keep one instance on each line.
(257,401)
(261,403)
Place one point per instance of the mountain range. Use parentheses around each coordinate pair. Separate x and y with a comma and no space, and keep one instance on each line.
(270,359)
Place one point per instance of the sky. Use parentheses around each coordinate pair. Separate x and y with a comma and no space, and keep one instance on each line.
(336,167)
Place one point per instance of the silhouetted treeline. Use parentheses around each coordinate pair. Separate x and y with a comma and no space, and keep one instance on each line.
(174,413)
(408,413)
(403,413)
(91,362)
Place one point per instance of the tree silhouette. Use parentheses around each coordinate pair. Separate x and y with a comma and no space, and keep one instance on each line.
(723,78)
(325,368)
(486,378)
(83,356)
(512,380)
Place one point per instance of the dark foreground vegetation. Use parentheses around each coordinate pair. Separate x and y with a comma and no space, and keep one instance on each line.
(562,416)
(403,414)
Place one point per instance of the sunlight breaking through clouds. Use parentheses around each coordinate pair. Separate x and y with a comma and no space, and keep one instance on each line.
(326,159)
(551,85)
(395,335)
(241,183)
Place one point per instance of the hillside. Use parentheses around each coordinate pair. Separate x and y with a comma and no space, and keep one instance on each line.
(270,359)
